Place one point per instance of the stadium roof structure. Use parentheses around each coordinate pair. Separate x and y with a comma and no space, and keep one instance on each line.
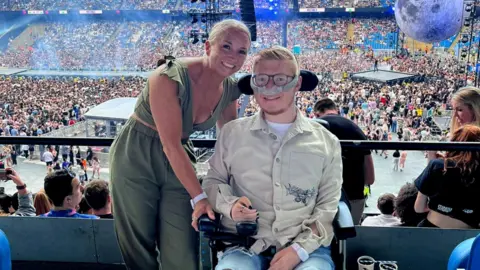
(386,76)
(114,109)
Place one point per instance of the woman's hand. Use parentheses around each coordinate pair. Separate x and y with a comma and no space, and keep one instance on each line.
(202,207)
(242,211)
(431,155)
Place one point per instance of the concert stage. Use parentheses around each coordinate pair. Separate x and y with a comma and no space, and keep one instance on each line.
(386,76)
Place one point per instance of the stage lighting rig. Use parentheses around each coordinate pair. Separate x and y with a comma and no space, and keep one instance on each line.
(467,35)
(209,16)
(196,36)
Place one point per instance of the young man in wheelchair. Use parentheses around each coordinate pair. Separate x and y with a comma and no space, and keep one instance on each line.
(278,168)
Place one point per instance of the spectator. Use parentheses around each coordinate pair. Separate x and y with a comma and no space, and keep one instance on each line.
(42,203)
(65,191)
(21,203)
(48,158)
(84,208)
(385,204)
(466,105)
(396,160)
(358,168)
(448,189)
(405,206)
(98,197)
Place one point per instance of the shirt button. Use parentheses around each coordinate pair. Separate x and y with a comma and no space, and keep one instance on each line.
(277,184)
(276,230)
(273,136)
(277,208)
(277,160)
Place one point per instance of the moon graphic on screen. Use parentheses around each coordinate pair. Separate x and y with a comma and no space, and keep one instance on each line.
(429,20)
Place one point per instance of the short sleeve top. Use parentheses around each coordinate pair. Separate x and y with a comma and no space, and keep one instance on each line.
(448,194)
(178,72)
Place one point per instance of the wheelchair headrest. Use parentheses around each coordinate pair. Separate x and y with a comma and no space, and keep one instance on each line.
(309,82)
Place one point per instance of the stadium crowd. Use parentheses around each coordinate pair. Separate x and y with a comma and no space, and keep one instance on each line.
(169,4)
(133,45)
(35,106)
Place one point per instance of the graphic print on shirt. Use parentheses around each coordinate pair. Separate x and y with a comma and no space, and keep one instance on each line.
(300,195)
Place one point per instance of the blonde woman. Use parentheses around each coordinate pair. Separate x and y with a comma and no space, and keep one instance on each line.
(151,172)
(466,110)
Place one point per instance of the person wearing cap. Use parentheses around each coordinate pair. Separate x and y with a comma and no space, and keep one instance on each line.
(279,168)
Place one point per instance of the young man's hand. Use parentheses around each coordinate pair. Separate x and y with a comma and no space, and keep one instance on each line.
(286,259)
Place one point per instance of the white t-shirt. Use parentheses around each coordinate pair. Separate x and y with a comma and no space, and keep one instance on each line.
(381,221)
(279,129)
(47,157)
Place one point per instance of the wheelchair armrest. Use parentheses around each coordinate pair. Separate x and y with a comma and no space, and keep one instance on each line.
(244,229)
(343,226)
(205,224)
(212,229)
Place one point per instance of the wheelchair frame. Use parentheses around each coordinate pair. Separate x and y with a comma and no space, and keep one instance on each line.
(342,225)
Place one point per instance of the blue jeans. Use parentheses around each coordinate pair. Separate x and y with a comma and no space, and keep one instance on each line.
(239,258)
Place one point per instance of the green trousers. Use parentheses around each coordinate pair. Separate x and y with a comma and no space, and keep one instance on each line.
(151,207)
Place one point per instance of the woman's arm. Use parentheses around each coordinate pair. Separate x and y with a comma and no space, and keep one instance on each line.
(167,114)
(421,203)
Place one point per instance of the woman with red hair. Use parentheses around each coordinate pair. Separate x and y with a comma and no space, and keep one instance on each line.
(449,186)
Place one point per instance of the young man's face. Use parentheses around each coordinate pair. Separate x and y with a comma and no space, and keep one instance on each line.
(279,103)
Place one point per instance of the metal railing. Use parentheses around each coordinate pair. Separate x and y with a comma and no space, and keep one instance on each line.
(199,143)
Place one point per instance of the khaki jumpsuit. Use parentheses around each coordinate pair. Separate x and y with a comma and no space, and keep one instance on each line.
(152,208)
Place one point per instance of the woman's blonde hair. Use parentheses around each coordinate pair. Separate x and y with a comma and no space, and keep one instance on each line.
(42,203)
(276,53)
(470,97)
(220,28)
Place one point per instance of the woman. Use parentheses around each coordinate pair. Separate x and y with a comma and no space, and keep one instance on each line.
(151,168)
(96,167)
(466,110)
(41,203)
(449,187)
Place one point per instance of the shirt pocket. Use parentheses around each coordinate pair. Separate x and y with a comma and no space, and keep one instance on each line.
(305,171)
(305,168)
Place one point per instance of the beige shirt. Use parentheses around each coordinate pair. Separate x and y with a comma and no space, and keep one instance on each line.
(292,182)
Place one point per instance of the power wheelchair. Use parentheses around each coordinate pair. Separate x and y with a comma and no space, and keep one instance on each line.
(212,231)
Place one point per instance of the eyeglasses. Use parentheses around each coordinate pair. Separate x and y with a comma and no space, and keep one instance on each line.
(278,79)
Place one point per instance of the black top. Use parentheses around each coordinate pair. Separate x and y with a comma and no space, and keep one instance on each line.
(353,160)
(448,194)
(107,216)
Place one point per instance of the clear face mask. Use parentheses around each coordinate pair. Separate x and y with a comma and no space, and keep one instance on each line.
(259,82)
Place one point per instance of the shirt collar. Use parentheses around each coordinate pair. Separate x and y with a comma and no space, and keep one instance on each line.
(301,123)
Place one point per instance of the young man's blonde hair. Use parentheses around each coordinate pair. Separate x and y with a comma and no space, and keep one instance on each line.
(276,53)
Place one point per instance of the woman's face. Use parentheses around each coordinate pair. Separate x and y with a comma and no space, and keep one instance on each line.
(228,52)
(463,113)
